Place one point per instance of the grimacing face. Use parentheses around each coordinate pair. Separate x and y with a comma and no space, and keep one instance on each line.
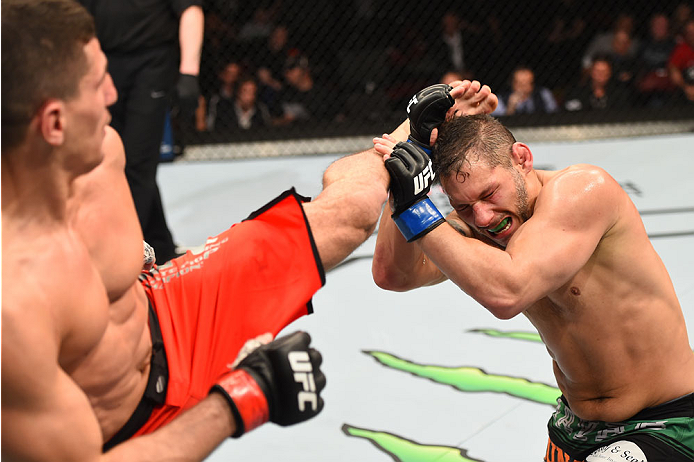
(491,200)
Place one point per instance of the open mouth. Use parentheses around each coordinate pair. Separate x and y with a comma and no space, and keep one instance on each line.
(501,228)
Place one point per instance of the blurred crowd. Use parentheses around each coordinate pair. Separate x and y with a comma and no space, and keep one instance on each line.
(280,64)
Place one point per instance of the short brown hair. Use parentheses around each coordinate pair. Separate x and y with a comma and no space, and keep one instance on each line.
(42,58)
(471,138)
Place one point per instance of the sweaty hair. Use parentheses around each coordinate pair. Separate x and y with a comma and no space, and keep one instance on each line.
(42,58)
(469,139)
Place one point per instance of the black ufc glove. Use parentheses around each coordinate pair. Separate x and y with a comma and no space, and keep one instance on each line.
(278,382)
(187,92)
(411,175)
(426,111)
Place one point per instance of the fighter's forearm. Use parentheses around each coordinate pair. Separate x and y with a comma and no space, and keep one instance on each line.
(190,36)
(190,437)
(398,265)
(402,131)
(484,272)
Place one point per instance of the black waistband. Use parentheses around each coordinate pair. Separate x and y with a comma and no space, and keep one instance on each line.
(678,407)
(155,392)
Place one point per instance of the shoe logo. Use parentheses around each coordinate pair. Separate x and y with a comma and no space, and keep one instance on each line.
(303,374)
(157,94)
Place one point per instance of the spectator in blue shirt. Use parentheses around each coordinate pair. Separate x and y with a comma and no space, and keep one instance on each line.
(525,97)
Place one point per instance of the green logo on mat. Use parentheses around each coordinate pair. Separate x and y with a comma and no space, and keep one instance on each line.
(465,378)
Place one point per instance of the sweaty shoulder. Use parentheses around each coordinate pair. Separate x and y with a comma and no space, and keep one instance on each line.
(579,177)
(582,192)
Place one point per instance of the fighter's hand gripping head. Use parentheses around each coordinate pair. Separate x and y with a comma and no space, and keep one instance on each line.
(278,382)
(426,111)
(411,176)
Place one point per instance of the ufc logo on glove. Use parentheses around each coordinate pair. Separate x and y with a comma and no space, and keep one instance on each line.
(303,374)
(421,181)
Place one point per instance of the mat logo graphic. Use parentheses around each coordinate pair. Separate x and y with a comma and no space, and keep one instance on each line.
(421,181)
(462,378)
(303,374)
(631,188)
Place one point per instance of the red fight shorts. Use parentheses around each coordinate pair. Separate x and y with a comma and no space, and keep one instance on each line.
(256,277)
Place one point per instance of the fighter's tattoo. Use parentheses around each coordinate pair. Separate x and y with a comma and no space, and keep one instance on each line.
(458,228)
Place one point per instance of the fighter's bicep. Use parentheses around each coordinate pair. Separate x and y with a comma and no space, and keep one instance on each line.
(554,255)
(563,234)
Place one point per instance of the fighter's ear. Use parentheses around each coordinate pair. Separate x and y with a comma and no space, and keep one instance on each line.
(51,122)
(522,156)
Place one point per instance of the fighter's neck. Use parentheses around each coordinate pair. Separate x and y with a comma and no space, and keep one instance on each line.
(537,181)
(543,176)
(35,191)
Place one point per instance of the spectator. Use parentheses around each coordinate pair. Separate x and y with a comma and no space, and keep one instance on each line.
(449,47)
(565,36)
(244,112)
(681,61)
(680,16)
(219,44)
(297,101)
(656,49)
(260,25)
(525,97)
(653,80)
(452,55)
(600,92)
(222,100)
(410,56)
(603,43)
(623,57)
(269,61)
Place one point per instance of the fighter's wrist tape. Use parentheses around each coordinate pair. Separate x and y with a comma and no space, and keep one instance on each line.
(418,220)
(246,399)
(424,147)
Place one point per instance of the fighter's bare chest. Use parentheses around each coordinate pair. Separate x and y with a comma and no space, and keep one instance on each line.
(560,308)
(84,322)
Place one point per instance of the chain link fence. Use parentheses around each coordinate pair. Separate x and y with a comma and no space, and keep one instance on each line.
(291,78)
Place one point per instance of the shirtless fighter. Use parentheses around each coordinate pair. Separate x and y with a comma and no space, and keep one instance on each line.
(567,249)
(92,356)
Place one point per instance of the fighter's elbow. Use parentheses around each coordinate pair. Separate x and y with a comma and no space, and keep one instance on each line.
(388,279)
(506,307)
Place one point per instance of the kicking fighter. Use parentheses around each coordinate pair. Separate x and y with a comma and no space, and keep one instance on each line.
(96,351)
(565,248)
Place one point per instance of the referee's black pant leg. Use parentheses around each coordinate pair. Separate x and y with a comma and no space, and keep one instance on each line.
(143,128)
